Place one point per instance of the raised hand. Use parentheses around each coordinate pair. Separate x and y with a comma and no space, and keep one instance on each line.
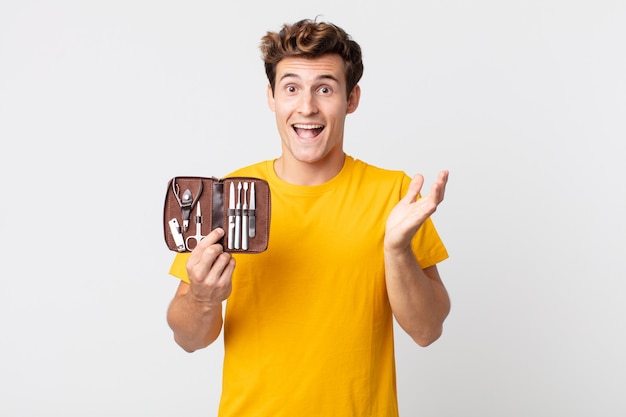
(411,212)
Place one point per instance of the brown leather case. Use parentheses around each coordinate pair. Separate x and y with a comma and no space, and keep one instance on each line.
(186,195)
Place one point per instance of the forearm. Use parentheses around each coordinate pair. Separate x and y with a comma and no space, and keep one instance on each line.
(195,325)
(418,298)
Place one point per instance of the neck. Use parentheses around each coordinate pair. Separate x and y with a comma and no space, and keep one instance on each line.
(308,173)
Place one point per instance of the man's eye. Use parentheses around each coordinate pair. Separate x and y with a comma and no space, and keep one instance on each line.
(325,90)
(291,89)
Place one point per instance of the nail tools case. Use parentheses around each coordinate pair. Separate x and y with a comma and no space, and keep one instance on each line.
(194,206)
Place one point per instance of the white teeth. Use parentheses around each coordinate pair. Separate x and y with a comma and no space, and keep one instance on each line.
(308,126)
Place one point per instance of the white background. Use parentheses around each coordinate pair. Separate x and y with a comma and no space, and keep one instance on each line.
(101,102)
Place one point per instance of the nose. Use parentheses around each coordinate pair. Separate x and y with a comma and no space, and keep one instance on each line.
(307,104)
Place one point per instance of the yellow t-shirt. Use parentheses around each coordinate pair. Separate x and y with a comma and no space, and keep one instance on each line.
(308,330)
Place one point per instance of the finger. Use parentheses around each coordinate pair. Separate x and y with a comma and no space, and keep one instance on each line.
(442,181)
(210,265)
(228,270)
(221,273)
(219,264)
(213,237)
(438,189)
(217,285)
(414,188)
(210,239)
(443,177)
(204,255)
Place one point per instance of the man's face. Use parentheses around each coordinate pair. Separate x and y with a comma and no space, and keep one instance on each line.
(311,104)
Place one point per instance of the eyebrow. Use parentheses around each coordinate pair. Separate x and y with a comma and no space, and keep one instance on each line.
(321,77)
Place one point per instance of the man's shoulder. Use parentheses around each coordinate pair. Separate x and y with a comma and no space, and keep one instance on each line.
(257,170)
(376,172)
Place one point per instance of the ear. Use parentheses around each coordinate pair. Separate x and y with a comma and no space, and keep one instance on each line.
(353,99)
(270,98)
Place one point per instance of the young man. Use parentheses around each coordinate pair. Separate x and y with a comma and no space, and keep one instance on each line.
(308,328)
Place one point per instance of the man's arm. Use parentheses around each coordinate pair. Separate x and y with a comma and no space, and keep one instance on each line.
(195,313)
(418,298)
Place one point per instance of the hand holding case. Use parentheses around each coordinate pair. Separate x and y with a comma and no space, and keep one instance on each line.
(194,206)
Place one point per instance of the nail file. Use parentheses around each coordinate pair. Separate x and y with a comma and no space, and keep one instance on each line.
(244,218)
(251,210)
(238,218)
(231,216)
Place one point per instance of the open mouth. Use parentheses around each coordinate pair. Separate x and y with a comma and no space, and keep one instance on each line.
(308,131)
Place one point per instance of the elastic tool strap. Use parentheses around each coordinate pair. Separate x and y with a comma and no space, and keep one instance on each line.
(217,214)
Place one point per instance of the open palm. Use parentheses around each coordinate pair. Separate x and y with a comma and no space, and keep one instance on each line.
(411,212)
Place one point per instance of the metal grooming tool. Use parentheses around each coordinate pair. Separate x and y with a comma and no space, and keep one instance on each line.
(252,215)
(186,202)
(185,207)
(231,216)
(198,236)
(244,219)
(238,218)
(177,235)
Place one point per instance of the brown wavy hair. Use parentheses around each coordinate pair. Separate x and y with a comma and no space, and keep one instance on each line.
(310,39)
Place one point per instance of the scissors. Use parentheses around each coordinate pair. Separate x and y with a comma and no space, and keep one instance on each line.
(198,236)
